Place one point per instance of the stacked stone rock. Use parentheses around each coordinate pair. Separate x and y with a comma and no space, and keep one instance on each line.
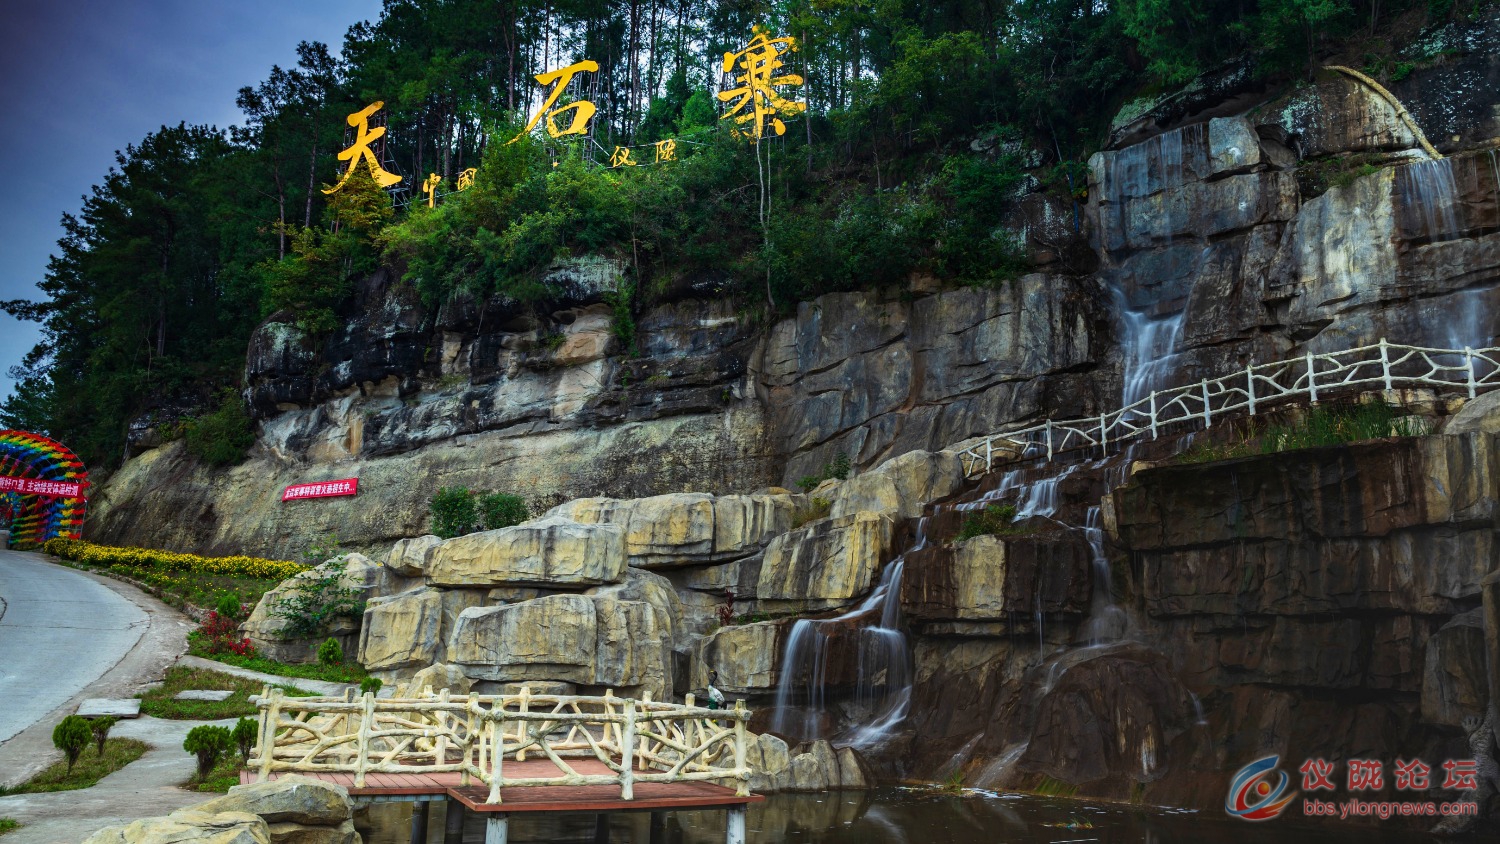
(288,810)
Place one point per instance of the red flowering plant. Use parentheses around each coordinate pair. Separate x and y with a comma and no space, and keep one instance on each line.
(221,634)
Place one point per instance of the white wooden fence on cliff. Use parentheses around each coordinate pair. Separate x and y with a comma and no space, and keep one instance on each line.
(1383,365)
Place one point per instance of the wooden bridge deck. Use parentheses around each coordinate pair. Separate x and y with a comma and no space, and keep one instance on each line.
(544,798)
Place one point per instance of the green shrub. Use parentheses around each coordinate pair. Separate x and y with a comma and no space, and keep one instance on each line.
(816,509)
(100,728)
(994,519)
(454,512)
(502,510)
(71,736)
(208,743)
(244,736)
(222,437)
(228,606)
(1326,426)
(330,652)
(836,469)
(320,597)
(370,686)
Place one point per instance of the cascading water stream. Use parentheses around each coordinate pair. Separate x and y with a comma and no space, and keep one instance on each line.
(883,673)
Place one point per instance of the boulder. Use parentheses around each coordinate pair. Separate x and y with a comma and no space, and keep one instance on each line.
(745,655)
(438,677)
(902,486)
(687,528)
(634,647)
(826,563)
(401,630)
(188,827)
(293,833)
(1478,415)
(409,556)
(289,798)
(1454,680)
(550,638)
(815,770)
(550,552)
(768,757)
(269,631)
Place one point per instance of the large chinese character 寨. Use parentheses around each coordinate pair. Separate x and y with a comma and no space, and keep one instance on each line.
(360,149)
(756,100)
(584,109)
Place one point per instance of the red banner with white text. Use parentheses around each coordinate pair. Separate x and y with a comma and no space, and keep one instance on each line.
(37,486)
(321,489)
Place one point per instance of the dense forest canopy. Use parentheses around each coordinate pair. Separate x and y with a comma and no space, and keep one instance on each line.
(921,119)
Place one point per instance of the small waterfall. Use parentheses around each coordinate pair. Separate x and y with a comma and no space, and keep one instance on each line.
(1465,323)
(883,674)
(1150,351)
(1106,622)
(1430,206)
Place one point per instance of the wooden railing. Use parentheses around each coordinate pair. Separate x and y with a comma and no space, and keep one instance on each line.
(637,740)
(1312,376)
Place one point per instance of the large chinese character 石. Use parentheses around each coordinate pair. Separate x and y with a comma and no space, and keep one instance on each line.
(584,109)
(621,158)
(360,149)
(466,178)
(429,188)
(756,100)
(666,150)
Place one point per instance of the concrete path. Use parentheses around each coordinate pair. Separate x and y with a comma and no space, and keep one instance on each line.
(59,632)
(68,635)
(322,687)
(145,788)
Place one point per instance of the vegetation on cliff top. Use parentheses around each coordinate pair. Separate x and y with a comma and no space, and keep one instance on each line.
(923,118)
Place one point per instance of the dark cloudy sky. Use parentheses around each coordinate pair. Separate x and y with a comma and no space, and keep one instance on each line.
(80,79)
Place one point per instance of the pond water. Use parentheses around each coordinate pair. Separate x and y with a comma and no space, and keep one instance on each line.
(910,816)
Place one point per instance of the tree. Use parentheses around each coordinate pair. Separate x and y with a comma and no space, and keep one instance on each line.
(245,734)
(71,736)
(209,744)
(100,728)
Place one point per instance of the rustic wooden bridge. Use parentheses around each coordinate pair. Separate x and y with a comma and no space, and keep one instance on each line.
(587,754)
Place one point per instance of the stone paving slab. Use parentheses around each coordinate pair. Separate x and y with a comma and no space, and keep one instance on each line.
(203,694)
(98,707)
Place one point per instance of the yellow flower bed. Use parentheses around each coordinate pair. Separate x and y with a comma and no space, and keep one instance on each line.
(167,561)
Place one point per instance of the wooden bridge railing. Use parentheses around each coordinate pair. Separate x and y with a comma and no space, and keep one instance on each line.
(1383,365)
(637,740)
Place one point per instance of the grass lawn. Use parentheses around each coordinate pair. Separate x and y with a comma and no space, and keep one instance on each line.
(91,767)
(341,673)
(224,776)
(159,703)
(8,824)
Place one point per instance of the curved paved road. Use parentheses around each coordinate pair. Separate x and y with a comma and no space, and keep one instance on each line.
(59,632)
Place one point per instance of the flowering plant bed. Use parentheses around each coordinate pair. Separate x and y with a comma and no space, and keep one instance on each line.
(180,578)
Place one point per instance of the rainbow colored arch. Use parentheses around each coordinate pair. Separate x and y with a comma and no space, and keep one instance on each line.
(39,518)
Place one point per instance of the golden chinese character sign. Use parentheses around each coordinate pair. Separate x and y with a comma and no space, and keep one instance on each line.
(466,178)
(756,101)
(559,80)
(429,188)
(621,158)
(360,149)
(666,151)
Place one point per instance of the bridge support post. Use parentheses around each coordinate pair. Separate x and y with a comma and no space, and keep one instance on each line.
(497,829)
(658,828)
(453,823)
(734,830)
(601,828)
(419,814)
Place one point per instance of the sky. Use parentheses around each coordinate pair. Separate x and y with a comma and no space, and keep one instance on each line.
(83,78)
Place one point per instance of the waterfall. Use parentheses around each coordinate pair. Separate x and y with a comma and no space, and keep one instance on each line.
(1106,621)
(1150,351)
(883,673)
(1430,205)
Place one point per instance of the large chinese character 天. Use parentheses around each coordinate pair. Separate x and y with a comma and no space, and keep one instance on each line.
(756,101)
(360,149)
(559,79)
